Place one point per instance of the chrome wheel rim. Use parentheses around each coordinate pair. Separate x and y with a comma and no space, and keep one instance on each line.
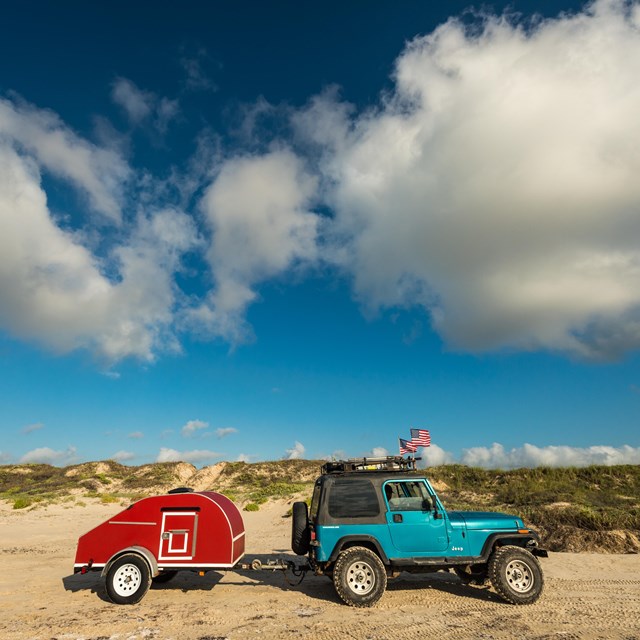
(361,578)
(519,576)
(127,580)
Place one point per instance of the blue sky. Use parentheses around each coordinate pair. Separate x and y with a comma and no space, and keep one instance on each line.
(247,231)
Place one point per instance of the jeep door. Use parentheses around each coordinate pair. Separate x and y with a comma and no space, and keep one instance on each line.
(413,527)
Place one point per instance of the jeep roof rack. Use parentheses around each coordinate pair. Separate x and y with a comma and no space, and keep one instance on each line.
(370,465)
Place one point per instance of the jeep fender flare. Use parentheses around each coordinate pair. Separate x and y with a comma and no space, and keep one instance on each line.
(144,553)
(355,540)
(518,539)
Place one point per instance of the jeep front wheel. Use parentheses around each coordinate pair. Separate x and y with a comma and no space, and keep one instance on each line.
(359,577)
(516,575)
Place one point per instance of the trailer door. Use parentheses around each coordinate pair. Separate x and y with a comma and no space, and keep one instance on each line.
(178,535)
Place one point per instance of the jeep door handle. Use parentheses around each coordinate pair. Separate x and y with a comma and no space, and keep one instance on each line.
(397,517)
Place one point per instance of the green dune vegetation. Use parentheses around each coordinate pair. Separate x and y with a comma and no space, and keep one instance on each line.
(593,508)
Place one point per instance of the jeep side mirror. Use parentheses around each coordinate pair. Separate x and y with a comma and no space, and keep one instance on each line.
(436,514)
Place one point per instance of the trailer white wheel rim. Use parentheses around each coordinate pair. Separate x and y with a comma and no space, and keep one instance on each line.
(360,577)
(127,580)
(519,576)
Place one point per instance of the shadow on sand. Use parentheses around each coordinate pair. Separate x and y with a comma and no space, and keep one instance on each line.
(316,587)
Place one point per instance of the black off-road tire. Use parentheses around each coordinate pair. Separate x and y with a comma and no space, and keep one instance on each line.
(300,531)
(516,575)
(128,579)
(359,577)
(476,574)
(164,576)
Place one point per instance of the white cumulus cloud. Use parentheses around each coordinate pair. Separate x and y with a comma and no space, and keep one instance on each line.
(192,427)
(196,77)
(296,452)
(55,291)
(223,432)
(496,185)
(30,428)
(123,456)
(136,102)
(258,211)
(435,456)
(141,105)
(46,455)
(196,456)
(528,456)
(99,173)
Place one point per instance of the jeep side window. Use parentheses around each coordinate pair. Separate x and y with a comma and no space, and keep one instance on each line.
(315,501)
(407,496)
(353,498)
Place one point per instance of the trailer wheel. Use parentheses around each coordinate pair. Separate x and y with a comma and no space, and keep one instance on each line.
(300,532)
(128,579)
(359,577)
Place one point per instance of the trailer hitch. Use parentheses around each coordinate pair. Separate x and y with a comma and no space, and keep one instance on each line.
(299,571)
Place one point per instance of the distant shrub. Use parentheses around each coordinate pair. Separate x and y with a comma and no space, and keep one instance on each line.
(107,498)
(232,495)
(252,506)
(276,490)
(90,486)
(22,503)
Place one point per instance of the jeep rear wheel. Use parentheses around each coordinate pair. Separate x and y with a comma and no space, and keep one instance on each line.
(516,575)
(300,532)
(359,577)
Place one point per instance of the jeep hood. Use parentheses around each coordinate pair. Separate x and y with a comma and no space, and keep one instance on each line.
(485,520)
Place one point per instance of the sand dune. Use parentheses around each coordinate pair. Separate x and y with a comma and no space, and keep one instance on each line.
(587,596)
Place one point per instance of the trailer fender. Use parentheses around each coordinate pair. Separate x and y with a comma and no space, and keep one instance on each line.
(141,551)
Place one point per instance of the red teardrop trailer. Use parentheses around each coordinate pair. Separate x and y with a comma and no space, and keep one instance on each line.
(157,536)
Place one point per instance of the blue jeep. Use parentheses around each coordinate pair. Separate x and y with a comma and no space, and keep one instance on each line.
(372,518)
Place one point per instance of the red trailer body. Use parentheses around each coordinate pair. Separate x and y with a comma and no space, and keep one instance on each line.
(191,530)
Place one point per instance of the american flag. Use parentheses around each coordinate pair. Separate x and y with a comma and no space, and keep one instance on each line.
(406,446)
(420,438)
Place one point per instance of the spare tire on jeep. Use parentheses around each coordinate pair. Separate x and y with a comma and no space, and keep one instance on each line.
(300,532)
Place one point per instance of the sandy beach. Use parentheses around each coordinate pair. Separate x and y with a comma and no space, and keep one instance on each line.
(587,596)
